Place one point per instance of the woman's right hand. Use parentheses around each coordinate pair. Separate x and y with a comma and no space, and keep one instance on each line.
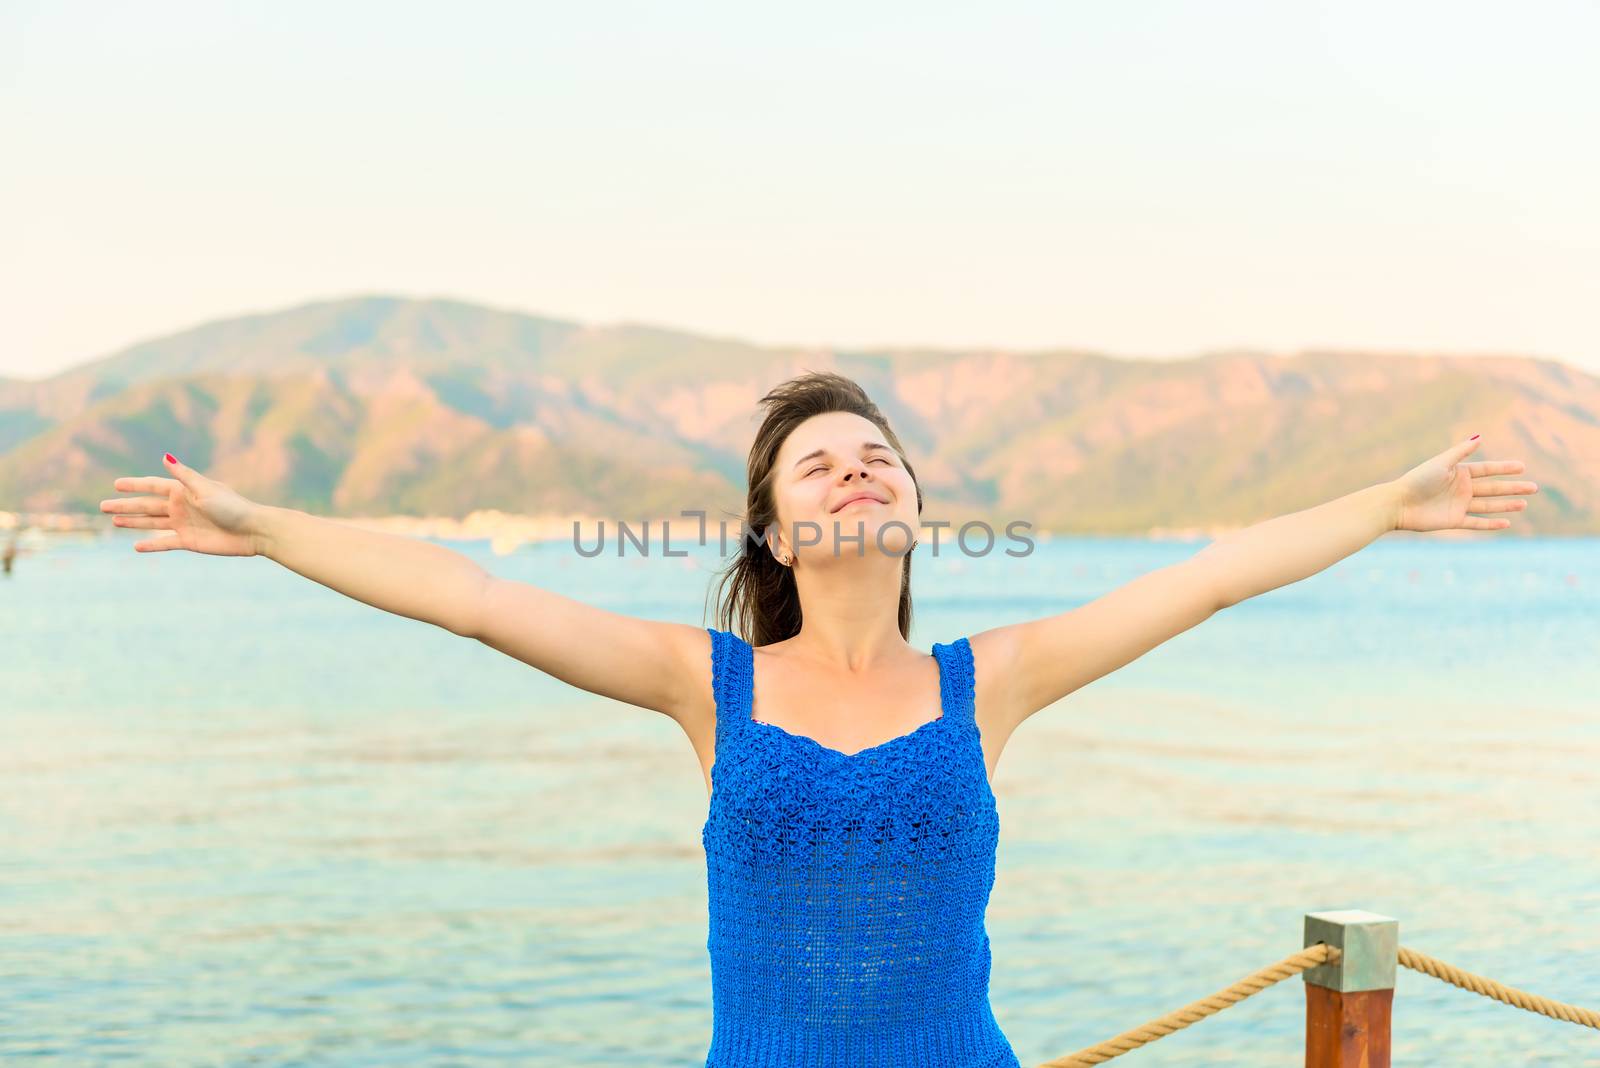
(203,515)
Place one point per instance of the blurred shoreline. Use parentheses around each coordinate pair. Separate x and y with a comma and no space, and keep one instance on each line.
(505,531)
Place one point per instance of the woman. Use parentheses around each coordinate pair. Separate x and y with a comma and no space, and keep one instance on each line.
(851,834)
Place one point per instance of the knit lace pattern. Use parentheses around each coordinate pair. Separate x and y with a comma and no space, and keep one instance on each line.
(847,891)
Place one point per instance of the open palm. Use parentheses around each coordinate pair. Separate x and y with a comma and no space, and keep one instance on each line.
(196,513)
(1440,494)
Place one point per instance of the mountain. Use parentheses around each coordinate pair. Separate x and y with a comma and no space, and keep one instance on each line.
(387,405)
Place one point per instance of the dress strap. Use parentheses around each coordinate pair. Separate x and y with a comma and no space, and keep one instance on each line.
(731,661)
(956,678)
(732,677)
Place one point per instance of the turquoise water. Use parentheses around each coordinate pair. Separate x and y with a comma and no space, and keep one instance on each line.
(251,821)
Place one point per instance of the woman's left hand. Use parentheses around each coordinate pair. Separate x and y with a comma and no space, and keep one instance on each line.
(1439,493)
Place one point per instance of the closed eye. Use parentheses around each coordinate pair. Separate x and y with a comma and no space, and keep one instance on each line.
(824,467)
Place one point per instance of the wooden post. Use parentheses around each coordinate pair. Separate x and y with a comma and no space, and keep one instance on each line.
(1348,1002)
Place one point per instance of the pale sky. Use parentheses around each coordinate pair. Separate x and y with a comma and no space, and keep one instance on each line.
(1142,178)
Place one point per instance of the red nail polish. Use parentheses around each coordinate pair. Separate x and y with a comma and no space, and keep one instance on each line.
(171,459)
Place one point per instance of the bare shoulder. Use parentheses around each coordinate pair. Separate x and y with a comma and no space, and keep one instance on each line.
(996,696)
(692,650)
(696,709)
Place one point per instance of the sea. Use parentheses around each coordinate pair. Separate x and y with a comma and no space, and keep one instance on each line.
(247,820)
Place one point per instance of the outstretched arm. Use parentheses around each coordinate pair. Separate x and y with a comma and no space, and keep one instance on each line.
(1040,661)
(656,665)
(652,664)
(1287,548)
(1437,494)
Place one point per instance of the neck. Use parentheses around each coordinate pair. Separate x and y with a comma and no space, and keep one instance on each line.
(850,610)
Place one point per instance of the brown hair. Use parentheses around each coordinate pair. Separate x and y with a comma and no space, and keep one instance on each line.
(756,592)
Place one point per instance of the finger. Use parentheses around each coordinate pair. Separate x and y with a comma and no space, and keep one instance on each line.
(1472,522)
(1489,487)
(184,473)
(1462,448)
(135,505)
(1498,504)
(1479,468)
(143,484)
(148,522)
(159,543)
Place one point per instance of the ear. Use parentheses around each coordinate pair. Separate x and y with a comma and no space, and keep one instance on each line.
(772,538)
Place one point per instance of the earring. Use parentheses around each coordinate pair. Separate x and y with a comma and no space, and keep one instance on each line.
(785,559)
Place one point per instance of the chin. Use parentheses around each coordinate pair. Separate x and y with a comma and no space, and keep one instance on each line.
(895,539)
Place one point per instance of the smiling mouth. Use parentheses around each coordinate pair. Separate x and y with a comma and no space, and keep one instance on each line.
(857,500)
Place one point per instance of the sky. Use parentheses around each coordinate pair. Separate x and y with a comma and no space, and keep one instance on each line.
(1149,179)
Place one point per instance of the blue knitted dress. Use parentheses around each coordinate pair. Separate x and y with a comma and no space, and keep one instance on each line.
(847,892)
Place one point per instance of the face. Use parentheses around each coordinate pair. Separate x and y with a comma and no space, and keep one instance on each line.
(825,462)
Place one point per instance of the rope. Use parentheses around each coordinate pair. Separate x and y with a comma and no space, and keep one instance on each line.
(1195,1011)
(1421,962)
(1296,963)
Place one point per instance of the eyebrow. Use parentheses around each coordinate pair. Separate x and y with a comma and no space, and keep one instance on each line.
(865,445)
